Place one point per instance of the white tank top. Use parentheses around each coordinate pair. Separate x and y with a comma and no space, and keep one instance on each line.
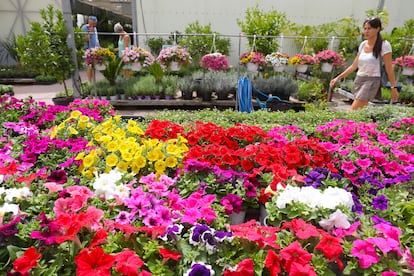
(368,65)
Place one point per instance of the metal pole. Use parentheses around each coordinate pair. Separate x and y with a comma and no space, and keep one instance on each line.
(381,5)
(134,21)
(67,15)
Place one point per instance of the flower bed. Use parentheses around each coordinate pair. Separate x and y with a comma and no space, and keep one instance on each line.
(88,193)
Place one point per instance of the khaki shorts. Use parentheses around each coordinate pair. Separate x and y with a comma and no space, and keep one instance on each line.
(366,88)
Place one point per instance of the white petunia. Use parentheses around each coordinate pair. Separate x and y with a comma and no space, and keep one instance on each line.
(9,208)
(337,220)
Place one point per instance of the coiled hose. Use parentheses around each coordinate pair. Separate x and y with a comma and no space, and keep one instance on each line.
(244,95)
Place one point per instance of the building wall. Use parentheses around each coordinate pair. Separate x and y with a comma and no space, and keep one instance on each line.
(160,16)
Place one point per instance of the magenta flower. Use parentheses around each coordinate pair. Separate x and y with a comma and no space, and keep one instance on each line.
(365,252)
(232,203)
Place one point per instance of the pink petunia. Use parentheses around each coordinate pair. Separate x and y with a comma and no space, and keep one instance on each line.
(365,252)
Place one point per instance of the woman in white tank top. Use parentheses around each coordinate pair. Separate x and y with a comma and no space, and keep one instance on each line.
(367,61)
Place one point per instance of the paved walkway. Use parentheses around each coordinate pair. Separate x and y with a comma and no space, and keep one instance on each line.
(45,93)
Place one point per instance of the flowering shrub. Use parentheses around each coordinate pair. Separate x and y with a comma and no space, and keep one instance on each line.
(176,54)
(301,59)
(405,61)
(329,56)
(277,59)
(215,62)
(137,54)
(98,56)
(86,195)
(253,57)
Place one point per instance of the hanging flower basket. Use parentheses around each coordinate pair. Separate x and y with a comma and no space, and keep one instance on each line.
(329,56)
(277,60)
(98,57)
(301,59)
(252,67)
(279,68)
(215,62)
(174,66)
(406,63)
(174,54)
(326,67)
(302,68)
(137,55)
(253,57)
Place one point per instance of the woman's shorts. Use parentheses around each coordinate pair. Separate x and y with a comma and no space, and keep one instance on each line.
(366,88)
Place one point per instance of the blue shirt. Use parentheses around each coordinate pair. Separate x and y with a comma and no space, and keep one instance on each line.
(93,38)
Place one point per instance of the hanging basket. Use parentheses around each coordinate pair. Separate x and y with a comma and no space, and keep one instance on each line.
(174,66)
(302,68)
(326,67)
(136,66)
(252,67)
(100,66)
(279,68)
(406,71)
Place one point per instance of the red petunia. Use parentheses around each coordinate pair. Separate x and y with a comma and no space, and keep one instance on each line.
(330,247)
(100,238)
(304,230)
(128,263)
(272,263)
(297,269)
(94,262)
(27,261)
(294,253)
(244,268)
(169,254)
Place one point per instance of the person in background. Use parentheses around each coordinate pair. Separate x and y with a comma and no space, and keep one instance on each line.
(91,39)
(368,63)
(124,42)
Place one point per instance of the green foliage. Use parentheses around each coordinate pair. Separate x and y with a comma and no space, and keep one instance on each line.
(198,46)
(155,44)
(44,48)
(263,23)
(279,86)
(407,93)
(6,89)
(112,70)
(401,46)
(311,91)
(10,45)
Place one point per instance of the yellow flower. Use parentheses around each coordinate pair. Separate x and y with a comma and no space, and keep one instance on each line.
(112,146)
(160,166)
(155,155)
(171,162)
(111,160)
(123,166)
(126,156)
(73,131)
(89,160)
(75,114)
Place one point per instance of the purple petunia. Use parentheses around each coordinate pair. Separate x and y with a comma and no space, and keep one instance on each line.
(380,202)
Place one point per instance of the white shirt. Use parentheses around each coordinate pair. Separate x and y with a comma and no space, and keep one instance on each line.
(368,65)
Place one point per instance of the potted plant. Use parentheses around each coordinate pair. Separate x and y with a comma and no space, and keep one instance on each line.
(173,57)
(253,60)
(406,63)
(137,57)
(301,61)
(407,94)
(6,89)
(98,57)
(186,86)
(328,59)
(215,62)
(277,60)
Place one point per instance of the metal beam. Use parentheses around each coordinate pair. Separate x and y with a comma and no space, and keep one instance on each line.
(67,15)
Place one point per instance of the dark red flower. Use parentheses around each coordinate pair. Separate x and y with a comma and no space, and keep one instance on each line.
(58,176)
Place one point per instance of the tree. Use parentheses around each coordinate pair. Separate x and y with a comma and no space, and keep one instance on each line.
(44,48)
(261,23)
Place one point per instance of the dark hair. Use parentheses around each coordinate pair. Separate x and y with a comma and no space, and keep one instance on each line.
(375,22)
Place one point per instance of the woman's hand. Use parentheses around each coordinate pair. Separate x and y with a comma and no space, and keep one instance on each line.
(394,94)
(333,82)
